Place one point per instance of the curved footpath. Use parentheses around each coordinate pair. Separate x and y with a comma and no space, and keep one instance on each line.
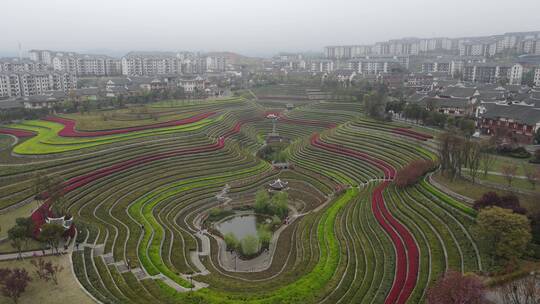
(406,249)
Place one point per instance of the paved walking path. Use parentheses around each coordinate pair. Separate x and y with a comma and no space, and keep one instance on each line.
(496,173)
(35,253)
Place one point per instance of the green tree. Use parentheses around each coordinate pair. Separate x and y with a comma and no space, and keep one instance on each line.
(279,204)
(231,241)
(52,234)
(264,236)
(262,202)
(504,234)
(249,245)
(17,235)
(27,224)
(375,105)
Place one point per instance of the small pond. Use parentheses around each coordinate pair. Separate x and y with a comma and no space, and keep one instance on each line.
(240,226)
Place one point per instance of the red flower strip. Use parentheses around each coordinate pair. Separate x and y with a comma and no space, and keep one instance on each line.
(406,249)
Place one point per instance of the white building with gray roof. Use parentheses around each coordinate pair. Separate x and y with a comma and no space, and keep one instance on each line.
(14,84)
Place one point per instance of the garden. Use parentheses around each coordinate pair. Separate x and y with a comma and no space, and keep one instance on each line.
(158,204)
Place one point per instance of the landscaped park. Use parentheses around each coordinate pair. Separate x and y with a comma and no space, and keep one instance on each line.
(238,200)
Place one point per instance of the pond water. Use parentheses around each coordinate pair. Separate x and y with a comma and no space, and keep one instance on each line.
(240,226)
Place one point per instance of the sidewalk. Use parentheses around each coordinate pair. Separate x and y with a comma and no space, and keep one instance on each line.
(36,253)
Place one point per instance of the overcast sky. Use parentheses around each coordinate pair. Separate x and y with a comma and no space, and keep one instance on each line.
(251,27)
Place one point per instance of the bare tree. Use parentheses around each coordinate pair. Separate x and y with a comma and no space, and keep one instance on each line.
(451,154)
(487,160)
(521,291)
(531,174)
(509,172)
(475,152)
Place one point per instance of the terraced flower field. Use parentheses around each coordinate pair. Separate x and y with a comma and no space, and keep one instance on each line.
(139,194)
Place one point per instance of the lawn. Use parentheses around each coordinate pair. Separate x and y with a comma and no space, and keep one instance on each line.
(475,191)
(30,245)
(7,220)
(519,183)
(504,160)
(39,291)
(118,119)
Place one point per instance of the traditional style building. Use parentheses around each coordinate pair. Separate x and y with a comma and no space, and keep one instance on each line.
(518,121)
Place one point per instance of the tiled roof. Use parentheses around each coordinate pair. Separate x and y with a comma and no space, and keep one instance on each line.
(446,102)
(458,92)
(525,114)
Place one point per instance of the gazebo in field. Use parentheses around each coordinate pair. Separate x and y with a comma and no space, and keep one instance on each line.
(44,215)
(278,185)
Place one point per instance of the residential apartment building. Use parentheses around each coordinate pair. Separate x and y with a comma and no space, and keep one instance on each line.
(65,62)
(347,51)
(13,84)
(404,46)
(216,63)
(487,46)
(515,74)
(321,66)
(20,65)
(489,72)
(478,47)
(439,65)
(373,66)
(98,65)
(79,64)
(150,63)
(42,56)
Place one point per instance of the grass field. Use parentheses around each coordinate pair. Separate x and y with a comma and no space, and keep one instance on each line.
(39,291)
(7,219)
(475,191)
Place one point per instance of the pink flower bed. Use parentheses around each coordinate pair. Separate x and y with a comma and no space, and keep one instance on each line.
(70,131)
(412,134)
(17,133)
(406,249)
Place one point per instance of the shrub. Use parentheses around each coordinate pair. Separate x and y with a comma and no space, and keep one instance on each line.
(492,199)
(508,150)
(411,174)
(453,287)
(536,159)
